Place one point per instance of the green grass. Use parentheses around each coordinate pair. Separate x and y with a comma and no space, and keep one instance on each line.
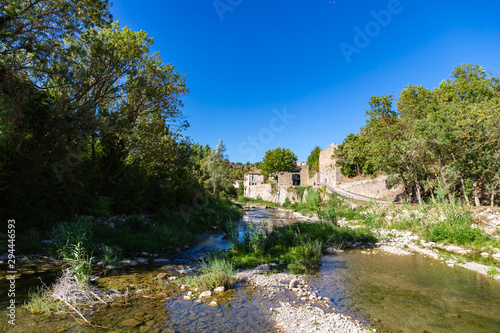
(492,271)
(39,302)
(297,247)
(216,273)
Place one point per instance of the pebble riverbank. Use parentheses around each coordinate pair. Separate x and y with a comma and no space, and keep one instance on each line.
(309,312)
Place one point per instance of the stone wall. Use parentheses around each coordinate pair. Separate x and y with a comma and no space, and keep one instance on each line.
(264,191)
(374,188)
(329,174)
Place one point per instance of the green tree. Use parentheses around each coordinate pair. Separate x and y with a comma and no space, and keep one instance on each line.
(278,160)
(313,161)
(217,167)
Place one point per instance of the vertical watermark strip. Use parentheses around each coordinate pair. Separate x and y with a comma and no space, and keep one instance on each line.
(11,271)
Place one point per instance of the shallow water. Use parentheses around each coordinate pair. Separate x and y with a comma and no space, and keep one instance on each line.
(409,293)
(391,293)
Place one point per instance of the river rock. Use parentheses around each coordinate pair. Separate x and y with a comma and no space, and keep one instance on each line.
(160,261)
(452,315)
(207,293)
(220,289)
(130,322)
(293,284)
(141,261)
(162,276)
(213,303)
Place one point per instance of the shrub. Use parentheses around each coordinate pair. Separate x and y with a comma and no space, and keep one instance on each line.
(313,199)
(328,214)
(218,272)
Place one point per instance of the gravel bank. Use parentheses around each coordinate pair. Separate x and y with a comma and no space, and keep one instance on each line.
(307,313)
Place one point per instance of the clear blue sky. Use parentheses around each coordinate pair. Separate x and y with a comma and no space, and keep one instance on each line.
(298,73)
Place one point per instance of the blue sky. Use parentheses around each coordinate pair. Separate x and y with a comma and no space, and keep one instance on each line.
(299,73)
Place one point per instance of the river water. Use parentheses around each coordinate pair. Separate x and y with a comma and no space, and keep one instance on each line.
(390,293)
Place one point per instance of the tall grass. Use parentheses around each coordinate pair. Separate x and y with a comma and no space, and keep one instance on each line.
(216,273)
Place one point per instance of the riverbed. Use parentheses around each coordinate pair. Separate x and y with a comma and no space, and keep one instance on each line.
(388,292)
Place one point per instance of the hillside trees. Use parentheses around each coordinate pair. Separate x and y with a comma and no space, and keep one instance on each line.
(313,161)
(90,120)
(436,142)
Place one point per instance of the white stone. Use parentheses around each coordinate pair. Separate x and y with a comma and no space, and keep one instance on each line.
(207,293)
(220,289)
(160,261)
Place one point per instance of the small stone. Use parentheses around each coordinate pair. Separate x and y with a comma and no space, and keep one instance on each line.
(161,276)
(485,254)
(160,261)
(130,322)
(109,267)
(207,293)
(144,254)
(220,289)
(452,315)
(293,284)
(213,303)
(186,297)
(141,261)
(172,278)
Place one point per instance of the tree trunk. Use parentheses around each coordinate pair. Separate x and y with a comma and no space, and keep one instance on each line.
(476,196)
(492,198)
(463,189)
(417,186)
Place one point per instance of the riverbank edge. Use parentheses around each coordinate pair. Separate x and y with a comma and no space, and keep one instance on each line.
(404,241)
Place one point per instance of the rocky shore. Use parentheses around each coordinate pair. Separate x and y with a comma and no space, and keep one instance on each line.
(406,243)
(307,311)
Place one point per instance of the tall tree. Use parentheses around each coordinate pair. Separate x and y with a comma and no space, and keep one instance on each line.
(278,160)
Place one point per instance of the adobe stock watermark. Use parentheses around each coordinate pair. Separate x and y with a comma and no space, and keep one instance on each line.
(372,29)
(277,124)
(223,6)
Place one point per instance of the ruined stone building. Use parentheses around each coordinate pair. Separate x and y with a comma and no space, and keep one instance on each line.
(328,175)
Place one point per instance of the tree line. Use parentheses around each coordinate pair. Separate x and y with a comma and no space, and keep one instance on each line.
(438,142)
(91,120)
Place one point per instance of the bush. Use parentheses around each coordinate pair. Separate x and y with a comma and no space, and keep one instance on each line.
(287,203)
(328,214)
(313,199)
(218,272)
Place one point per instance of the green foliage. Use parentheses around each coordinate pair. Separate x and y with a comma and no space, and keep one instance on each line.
(218,272)
(298,247)
(241,189)
(313,161)
(29,243)
(101,206)
(328,214)
(287,203)
(278,160)
(79,261)
(313,199)
(492,271)
(38,301)
(440,143)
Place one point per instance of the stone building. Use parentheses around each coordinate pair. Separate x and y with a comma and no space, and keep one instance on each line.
(328,175)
